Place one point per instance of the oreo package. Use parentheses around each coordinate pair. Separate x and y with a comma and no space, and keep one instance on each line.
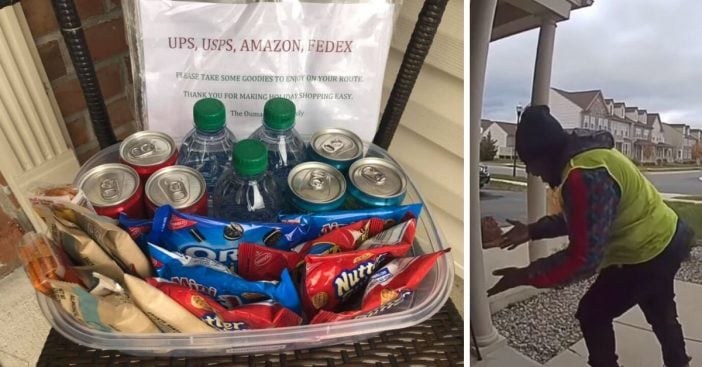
(317,224)
(198,236)
(214,279)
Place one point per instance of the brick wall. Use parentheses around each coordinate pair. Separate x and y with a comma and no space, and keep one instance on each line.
(103,26)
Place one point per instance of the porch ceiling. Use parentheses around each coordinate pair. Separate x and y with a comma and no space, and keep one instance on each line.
(516,16)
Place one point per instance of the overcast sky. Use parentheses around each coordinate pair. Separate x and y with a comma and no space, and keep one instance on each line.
(646,53)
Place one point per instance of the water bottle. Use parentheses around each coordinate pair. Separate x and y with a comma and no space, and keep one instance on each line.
(247,190)
(207,148)
(285,145)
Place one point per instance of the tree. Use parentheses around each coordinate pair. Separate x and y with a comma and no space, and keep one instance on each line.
(648,151)
(488,148)
(697,151)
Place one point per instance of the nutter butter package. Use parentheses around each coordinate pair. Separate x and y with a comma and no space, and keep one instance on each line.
(261,315)
(331,280)
(388,288)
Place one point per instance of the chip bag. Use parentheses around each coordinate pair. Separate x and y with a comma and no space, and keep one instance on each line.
(110,312)
(264,263)
(115,241)
(317,224)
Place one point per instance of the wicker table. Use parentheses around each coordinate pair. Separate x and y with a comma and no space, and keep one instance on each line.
(435,342)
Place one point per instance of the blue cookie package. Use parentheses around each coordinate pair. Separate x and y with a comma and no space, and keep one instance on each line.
(198,236)
(215,280)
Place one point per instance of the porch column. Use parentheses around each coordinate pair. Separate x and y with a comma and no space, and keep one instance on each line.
(536,192)
(482,13)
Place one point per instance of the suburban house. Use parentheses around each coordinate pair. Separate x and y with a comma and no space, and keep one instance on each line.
(640,135)
(503,133)
(679,135)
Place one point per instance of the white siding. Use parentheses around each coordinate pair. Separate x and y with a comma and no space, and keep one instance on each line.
(429,141)
(565,111)
(500,137)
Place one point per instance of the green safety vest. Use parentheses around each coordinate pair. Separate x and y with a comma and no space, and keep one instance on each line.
(644,224)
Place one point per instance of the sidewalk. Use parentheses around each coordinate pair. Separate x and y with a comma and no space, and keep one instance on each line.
(636,343)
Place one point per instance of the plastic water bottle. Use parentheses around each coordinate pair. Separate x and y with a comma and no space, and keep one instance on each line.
(208,147)
(247,191)
(285,145)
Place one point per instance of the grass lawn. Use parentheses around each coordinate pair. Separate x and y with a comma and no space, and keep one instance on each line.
(690,213)
(503,186)
(508,177)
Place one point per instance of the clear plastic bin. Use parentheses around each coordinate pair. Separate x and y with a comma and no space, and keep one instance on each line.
(428,299)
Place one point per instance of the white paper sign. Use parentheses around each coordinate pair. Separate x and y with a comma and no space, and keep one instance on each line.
(327,58)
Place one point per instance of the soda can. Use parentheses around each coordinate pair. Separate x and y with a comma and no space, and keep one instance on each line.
(374,183)
(147,152)
(113,188)
(181,187)
(336,147)
(316,187)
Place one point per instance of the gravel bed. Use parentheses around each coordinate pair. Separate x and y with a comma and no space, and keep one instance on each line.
(691,270)
(543,326)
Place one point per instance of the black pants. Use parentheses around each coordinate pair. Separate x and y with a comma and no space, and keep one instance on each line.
(649,285)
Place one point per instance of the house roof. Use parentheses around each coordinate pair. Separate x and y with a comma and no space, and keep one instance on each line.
(631,108)
(583,98)
(609,100)
(617,104)
(509,127)
(651,118)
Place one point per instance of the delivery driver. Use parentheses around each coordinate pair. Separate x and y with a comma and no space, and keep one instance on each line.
(618,225)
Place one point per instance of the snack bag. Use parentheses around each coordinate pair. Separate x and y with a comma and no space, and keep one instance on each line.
(331,280)
(264,263)
(261,315)
(83,250)
(109,313)
(213,279)
(44,261)
(388,288)
(317,224)
(115,241)
(166,313)
(47,193)
(198,236)
(100,285)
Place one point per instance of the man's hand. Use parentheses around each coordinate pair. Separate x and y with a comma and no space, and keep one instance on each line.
(516,236)
(511,277)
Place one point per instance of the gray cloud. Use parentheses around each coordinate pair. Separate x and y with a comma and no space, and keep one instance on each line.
(644,53)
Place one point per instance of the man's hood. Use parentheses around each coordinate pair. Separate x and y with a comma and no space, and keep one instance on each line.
(582,140)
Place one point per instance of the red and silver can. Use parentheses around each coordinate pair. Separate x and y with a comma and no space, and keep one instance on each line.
(179,186)
(114,188)
(147,152)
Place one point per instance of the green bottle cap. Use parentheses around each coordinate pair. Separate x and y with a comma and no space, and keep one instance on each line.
(279,114)
(209,114)
(250,157)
